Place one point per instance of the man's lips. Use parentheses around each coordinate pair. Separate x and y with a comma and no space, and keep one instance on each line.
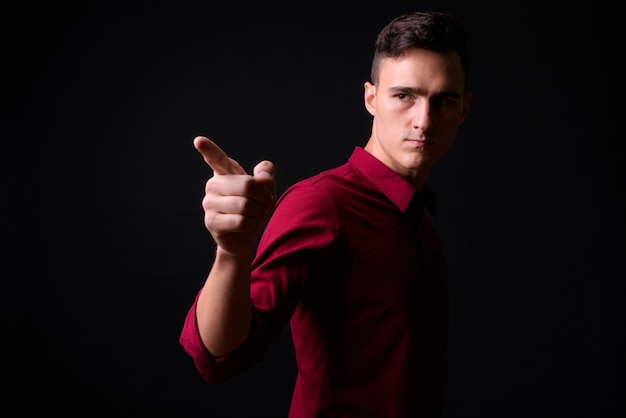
(419,142)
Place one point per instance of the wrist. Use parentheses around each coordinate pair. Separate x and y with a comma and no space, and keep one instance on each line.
(240,256)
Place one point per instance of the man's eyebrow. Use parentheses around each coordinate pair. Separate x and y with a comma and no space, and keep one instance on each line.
(422,92)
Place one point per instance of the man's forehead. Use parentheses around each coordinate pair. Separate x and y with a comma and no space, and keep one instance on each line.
(417,66)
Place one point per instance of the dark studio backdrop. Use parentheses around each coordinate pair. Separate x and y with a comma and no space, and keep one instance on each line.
(105,247)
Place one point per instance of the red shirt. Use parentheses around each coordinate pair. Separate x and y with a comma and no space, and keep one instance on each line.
(341,263)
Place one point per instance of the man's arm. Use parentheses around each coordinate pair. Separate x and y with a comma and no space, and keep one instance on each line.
(236,206)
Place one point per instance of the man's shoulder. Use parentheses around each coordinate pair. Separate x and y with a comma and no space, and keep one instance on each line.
(332,179)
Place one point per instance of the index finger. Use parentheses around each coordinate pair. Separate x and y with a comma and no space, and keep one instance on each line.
(216,158)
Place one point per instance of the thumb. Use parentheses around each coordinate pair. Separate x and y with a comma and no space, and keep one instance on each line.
(265,173)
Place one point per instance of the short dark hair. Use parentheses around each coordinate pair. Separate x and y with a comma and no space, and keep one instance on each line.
(430,30)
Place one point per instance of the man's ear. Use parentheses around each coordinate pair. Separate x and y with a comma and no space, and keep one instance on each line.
(369,96)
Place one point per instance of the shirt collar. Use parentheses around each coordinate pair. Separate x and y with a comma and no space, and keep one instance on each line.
(390,183)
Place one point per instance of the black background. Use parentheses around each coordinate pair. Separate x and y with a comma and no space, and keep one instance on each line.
(104,244)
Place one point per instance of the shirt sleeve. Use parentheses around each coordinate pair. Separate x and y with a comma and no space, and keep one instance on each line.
(215,369)
(295,246)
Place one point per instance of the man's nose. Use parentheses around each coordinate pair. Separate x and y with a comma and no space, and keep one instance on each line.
(421,115)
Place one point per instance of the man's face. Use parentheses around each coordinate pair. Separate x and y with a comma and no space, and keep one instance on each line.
(418,106)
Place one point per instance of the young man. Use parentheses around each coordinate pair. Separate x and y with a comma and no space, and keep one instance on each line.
(346,257)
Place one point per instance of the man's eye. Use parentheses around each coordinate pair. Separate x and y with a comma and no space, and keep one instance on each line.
(402,96)
(444,101)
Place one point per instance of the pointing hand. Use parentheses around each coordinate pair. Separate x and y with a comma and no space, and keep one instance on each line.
(237,206)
